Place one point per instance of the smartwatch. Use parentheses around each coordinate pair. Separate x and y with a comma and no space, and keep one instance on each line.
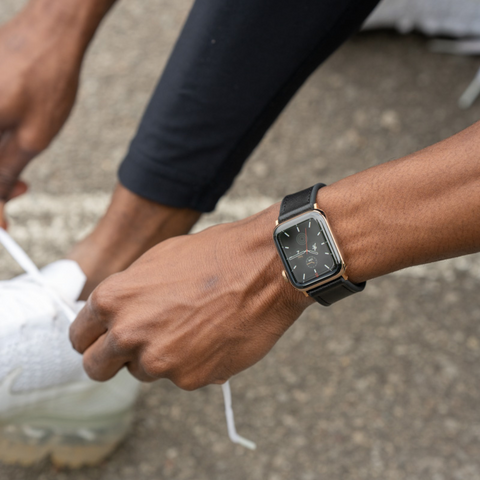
(312,260)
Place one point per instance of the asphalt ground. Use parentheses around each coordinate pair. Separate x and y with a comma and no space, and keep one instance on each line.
(384,385)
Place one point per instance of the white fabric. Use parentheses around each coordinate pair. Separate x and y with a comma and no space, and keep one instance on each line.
(453,18)
(456,18)
(34,330)
(39,369)
(36,357)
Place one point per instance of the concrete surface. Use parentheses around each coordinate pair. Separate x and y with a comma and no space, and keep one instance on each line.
(385,385)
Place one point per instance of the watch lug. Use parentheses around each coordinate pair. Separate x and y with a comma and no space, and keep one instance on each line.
(285,277)
(276,223)
(344,275)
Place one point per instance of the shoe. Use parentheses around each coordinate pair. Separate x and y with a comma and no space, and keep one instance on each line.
(48,405)
(455,18)
(459,19)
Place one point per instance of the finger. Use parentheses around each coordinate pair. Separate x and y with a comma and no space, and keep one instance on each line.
(19,189)
(101,361)
(139,373)
(86,328)
(12,161)
(3,220)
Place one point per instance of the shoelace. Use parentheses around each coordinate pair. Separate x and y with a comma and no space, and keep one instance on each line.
(31,269)
(462,47)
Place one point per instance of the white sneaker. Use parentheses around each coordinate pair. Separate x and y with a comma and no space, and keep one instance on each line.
(456,18)
(48,406)
(459,19)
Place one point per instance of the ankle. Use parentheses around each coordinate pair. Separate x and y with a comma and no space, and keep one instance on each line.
(131,226)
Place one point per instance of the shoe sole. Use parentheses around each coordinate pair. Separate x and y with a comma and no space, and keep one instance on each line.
(70,443)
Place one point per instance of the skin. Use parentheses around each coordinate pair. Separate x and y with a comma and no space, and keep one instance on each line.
(195,309)
(131,226)
(41,52)
(199,309)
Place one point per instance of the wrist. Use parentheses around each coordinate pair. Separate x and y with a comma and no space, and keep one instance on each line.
(131,226)
(356,232)
(273,266)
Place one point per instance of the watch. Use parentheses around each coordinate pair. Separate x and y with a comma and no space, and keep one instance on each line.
(311,257)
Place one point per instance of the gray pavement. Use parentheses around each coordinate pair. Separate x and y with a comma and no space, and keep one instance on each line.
(385,385)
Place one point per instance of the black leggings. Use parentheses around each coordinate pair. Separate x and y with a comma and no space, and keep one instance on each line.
(235,66)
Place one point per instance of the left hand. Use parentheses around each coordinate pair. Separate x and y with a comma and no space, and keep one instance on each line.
(196,309)
(19,189)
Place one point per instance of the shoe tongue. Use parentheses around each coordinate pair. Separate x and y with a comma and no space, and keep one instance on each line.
(66,277)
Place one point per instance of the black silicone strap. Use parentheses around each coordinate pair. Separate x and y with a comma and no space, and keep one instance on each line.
(338,289)
(299,202)
(334,291)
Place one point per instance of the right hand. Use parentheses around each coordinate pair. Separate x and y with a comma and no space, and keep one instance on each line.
(38,84)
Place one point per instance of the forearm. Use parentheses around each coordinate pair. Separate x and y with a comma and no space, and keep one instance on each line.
(415,210)
(223,303)
(75,20)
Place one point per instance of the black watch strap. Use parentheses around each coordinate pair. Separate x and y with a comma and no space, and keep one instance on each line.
(334,291)
(301,202)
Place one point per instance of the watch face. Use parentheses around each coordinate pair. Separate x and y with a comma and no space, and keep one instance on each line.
(307,249)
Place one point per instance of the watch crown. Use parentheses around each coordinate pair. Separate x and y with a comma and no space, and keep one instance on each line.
(284,275)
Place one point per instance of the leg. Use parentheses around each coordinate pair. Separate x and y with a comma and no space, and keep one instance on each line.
(234,68)
(131,226)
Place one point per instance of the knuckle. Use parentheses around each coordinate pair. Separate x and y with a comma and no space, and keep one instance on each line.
(93,372)
(121,341)
(11,99)
(137,372)
(102,300)
(150,371)
(33,141)
(7,181)
(73,336)
(155,366)
(189,383)
(220,381)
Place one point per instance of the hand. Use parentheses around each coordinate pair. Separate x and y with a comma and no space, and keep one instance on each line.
(195,309)
(19,189)
(39,72)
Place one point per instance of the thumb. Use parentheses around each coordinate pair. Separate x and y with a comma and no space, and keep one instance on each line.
(3,221)
(19,189)
(13,160)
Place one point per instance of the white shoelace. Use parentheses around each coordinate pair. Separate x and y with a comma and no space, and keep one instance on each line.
(31,269)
